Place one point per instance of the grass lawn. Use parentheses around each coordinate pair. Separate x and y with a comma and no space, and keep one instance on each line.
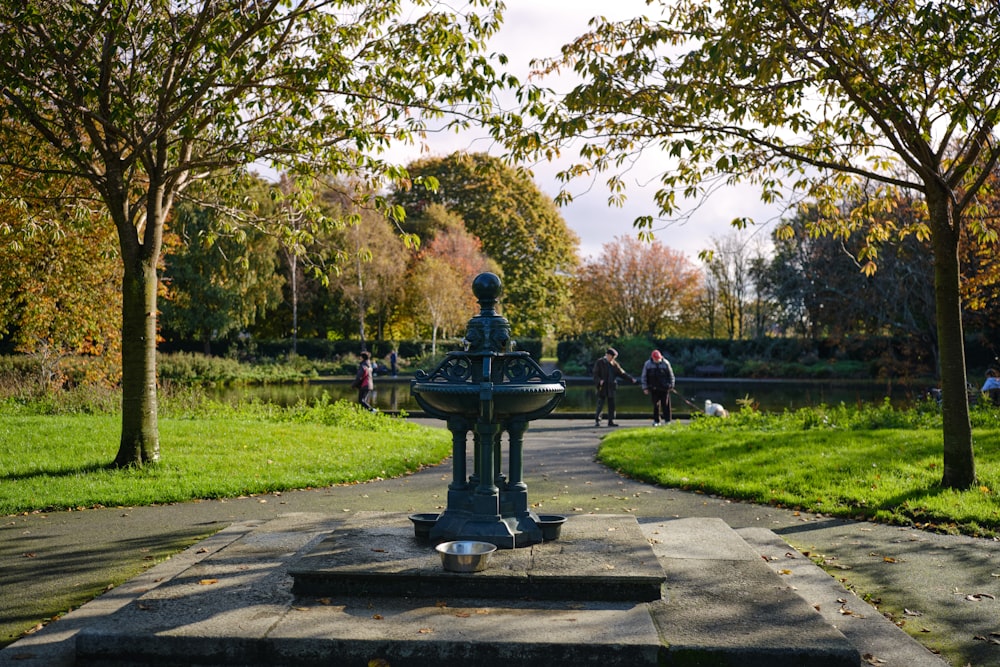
(60,461)
(883,465)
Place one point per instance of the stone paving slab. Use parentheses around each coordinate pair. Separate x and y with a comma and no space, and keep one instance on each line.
(724,606)
(597,557)
(877,638)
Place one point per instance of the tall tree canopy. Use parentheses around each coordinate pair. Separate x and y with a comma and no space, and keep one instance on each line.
(216,284)
(822,97)
(519,226)
(140,98)
(635,288)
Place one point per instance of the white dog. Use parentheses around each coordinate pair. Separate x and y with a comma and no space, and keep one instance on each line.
(715,409)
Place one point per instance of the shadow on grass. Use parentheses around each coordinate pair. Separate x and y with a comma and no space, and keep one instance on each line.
(66,471)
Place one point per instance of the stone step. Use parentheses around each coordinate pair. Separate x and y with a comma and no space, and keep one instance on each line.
(376,555)
(721,605)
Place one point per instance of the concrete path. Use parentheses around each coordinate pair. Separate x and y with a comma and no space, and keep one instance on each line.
(944,590)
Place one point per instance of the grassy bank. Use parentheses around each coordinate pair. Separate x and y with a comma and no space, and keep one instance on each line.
(209,450)
(875,463)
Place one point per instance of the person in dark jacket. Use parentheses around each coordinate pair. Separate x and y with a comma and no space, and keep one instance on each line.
(658,381)
(606,373)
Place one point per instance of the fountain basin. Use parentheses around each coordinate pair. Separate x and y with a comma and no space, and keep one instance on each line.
(466,399)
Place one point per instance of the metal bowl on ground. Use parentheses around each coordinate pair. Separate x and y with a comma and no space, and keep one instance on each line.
(551,525)
(465,555)
(422,524)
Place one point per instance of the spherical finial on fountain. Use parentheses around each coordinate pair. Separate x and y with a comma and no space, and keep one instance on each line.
(487,288)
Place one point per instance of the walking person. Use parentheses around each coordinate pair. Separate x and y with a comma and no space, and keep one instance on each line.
(658,381)
(606,372)
(364,381)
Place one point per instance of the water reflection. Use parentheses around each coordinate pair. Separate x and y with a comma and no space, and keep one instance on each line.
(393,395)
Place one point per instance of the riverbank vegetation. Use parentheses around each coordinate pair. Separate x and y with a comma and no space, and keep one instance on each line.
(872,463)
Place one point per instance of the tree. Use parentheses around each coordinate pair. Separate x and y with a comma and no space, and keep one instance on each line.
(58,291)
(440,297)
(442,273)
(825,98)
(372,279)
(139,100)
(636,288)
(981,272)
(729,267)
(216,284)
(815,283)
(519,226)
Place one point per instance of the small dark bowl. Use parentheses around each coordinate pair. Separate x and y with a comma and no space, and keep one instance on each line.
(422,524)
(551,525)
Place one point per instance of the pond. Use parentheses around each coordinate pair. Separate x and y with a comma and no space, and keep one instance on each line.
(393,394)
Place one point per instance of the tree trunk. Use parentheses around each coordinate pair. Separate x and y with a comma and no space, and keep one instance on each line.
(959,460)
(140,439)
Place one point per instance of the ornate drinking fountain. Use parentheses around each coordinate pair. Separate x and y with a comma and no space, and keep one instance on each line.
(488,389)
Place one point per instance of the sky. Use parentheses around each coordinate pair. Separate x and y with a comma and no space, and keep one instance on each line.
(538,28)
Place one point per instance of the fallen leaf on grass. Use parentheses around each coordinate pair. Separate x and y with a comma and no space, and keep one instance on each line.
(992,640)
(976,597)
(912,612)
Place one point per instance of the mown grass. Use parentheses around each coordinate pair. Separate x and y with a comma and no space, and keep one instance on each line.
(60,460)
(874,463)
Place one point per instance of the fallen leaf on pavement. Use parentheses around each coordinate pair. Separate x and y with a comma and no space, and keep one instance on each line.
(208,582)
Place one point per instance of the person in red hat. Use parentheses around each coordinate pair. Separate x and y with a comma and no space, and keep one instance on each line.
(658,381)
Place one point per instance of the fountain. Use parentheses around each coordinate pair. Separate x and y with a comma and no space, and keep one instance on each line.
(488,389)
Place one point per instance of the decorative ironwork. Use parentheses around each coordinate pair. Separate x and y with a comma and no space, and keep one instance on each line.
(488,389)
